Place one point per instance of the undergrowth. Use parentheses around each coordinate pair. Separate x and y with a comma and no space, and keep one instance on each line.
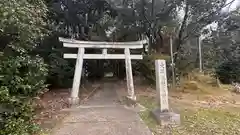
(201,83)
(195,119)
(194,122)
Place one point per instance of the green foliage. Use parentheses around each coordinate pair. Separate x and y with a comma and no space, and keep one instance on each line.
(187,60)
(229,71)
(221,50)
(75,19)
(22,75)
(22,78)
(60,70)
(22,23)
(15,115)
(147,67)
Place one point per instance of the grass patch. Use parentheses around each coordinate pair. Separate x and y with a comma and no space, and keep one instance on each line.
(200,83)
(150,104)
(195,122)
(210,122)
(151,123)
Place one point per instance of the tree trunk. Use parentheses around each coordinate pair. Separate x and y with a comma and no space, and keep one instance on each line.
(178,42)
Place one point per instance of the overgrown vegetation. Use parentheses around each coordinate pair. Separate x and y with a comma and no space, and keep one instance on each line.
(195,82)
(147,66)
(196,119)
(228,72)
(60,70)
(198,122)
(22,75)
(204,106)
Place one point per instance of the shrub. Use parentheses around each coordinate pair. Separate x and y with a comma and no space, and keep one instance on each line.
(61,71)
(15,115)
(147,67)
(23,75)
(228,71)
(22,78)
(201,83)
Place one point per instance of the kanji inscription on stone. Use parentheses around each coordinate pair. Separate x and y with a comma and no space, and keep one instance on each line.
(161,82)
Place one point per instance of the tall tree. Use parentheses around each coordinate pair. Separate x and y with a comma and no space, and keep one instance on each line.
(75,18)
(197,15)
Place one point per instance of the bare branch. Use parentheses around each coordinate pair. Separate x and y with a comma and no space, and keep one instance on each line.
(183,25)
(211,14)
(166,11)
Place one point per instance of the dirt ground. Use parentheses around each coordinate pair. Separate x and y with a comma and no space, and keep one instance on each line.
(213,113)
(49,106)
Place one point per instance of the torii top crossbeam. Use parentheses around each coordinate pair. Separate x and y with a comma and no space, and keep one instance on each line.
(71,43)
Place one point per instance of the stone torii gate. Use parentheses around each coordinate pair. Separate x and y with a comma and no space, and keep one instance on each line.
(80,56)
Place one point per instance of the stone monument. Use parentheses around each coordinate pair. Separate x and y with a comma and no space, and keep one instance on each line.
(162,114)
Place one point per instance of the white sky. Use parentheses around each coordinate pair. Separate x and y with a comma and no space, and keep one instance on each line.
(233,6)
(229,8)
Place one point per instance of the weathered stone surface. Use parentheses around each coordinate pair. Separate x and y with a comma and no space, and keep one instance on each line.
(161,84)
(166,118)
(162,114)
(73,102)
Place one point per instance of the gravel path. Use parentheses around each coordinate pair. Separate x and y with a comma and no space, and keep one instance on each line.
(102,115)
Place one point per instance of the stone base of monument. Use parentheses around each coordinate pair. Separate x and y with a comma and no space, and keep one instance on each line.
(166,118)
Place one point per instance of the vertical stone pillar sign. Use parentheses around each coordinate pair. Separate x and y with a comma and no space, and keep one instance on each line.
(161,85)
(162,114)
